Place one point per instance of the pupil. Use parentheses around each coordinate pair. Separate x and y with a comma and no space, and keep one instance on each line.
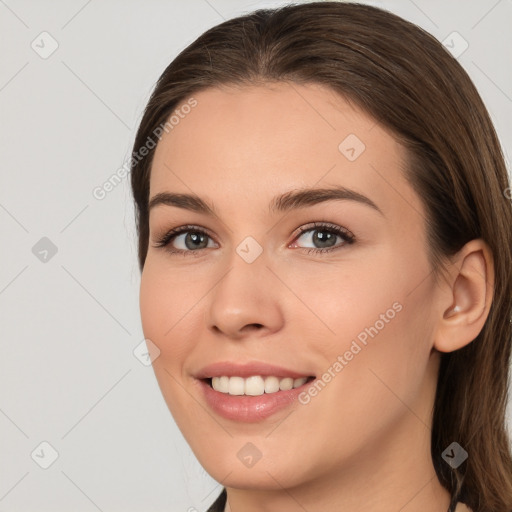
(195,237)
(323,236)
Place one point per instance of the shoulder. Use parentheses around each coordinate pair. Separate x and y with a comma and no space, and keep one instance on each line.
(461,507)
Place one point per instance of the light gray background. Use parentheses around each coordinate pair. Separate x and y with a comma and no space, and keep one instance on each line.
(69,325)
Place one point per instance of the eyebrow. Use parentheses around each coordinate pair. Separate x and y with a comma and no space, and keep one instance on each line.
(291,200)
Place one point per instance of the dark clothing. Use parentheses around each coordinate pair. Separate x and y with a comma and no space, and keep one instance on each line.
(220,503)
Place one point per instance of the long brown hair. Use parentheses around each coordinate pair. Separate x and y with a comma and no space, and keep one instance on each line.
(403,77)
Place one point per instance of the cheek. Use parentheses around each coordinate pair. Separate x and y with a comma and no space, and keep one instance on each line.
(154,301)
(352,299)
(365,400)
(165,302)
(382,332)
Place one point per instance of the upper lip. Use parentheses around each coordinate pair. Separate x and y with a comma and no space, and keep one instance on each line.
(249,369)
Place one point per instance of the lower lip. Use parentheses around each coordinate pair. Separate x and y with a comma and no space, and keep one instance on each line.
(249,409)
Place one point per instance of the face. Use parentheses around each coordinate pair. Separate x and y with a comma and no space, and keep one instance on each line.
(330,292)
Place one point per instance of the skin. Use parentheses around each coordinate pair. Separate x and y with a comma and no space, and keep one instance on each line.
(363,443)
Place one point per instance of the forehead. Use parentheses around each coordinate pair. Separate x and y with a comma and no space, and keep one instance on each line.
(256,141)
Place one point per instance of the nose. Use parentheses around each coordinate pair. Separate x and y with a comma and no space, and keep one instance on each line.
(245,300)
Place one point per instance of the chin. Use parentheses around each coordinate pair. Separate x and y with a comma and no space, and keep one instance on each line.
(262,476)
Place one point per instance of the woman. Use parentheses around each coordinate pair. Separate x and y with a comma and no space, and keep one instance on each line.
(325,247)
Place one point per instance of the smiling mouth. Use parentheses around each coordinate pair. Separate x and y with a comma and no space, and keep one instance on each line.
(255,385)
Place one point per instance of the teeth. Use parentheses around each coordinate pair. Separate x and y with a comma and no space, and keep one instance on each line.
(255,385)
(299,382)
(271,384)
(286,384)
(236,386)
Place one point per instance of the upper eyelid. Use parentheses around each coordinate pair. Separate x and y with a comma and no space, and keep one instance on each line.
(322,224)
(298,230)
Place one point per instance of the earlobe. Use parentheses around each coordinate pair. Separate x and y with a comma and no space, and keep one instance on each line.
(468,292)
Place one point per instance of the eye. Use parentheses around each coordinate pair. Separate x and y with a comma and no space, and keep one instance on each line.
(325,235)
(187,238)
(192,239)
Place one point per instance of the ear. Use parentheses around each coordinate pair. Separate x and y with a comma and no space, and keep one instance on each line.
(465,298)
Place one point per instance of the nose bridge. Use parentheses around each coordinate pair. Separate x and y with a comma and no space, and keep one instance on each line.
(246,279)
(246,294)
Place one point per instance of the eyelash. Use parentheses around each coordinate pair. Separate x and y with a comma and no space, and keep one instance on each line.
(344,233)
